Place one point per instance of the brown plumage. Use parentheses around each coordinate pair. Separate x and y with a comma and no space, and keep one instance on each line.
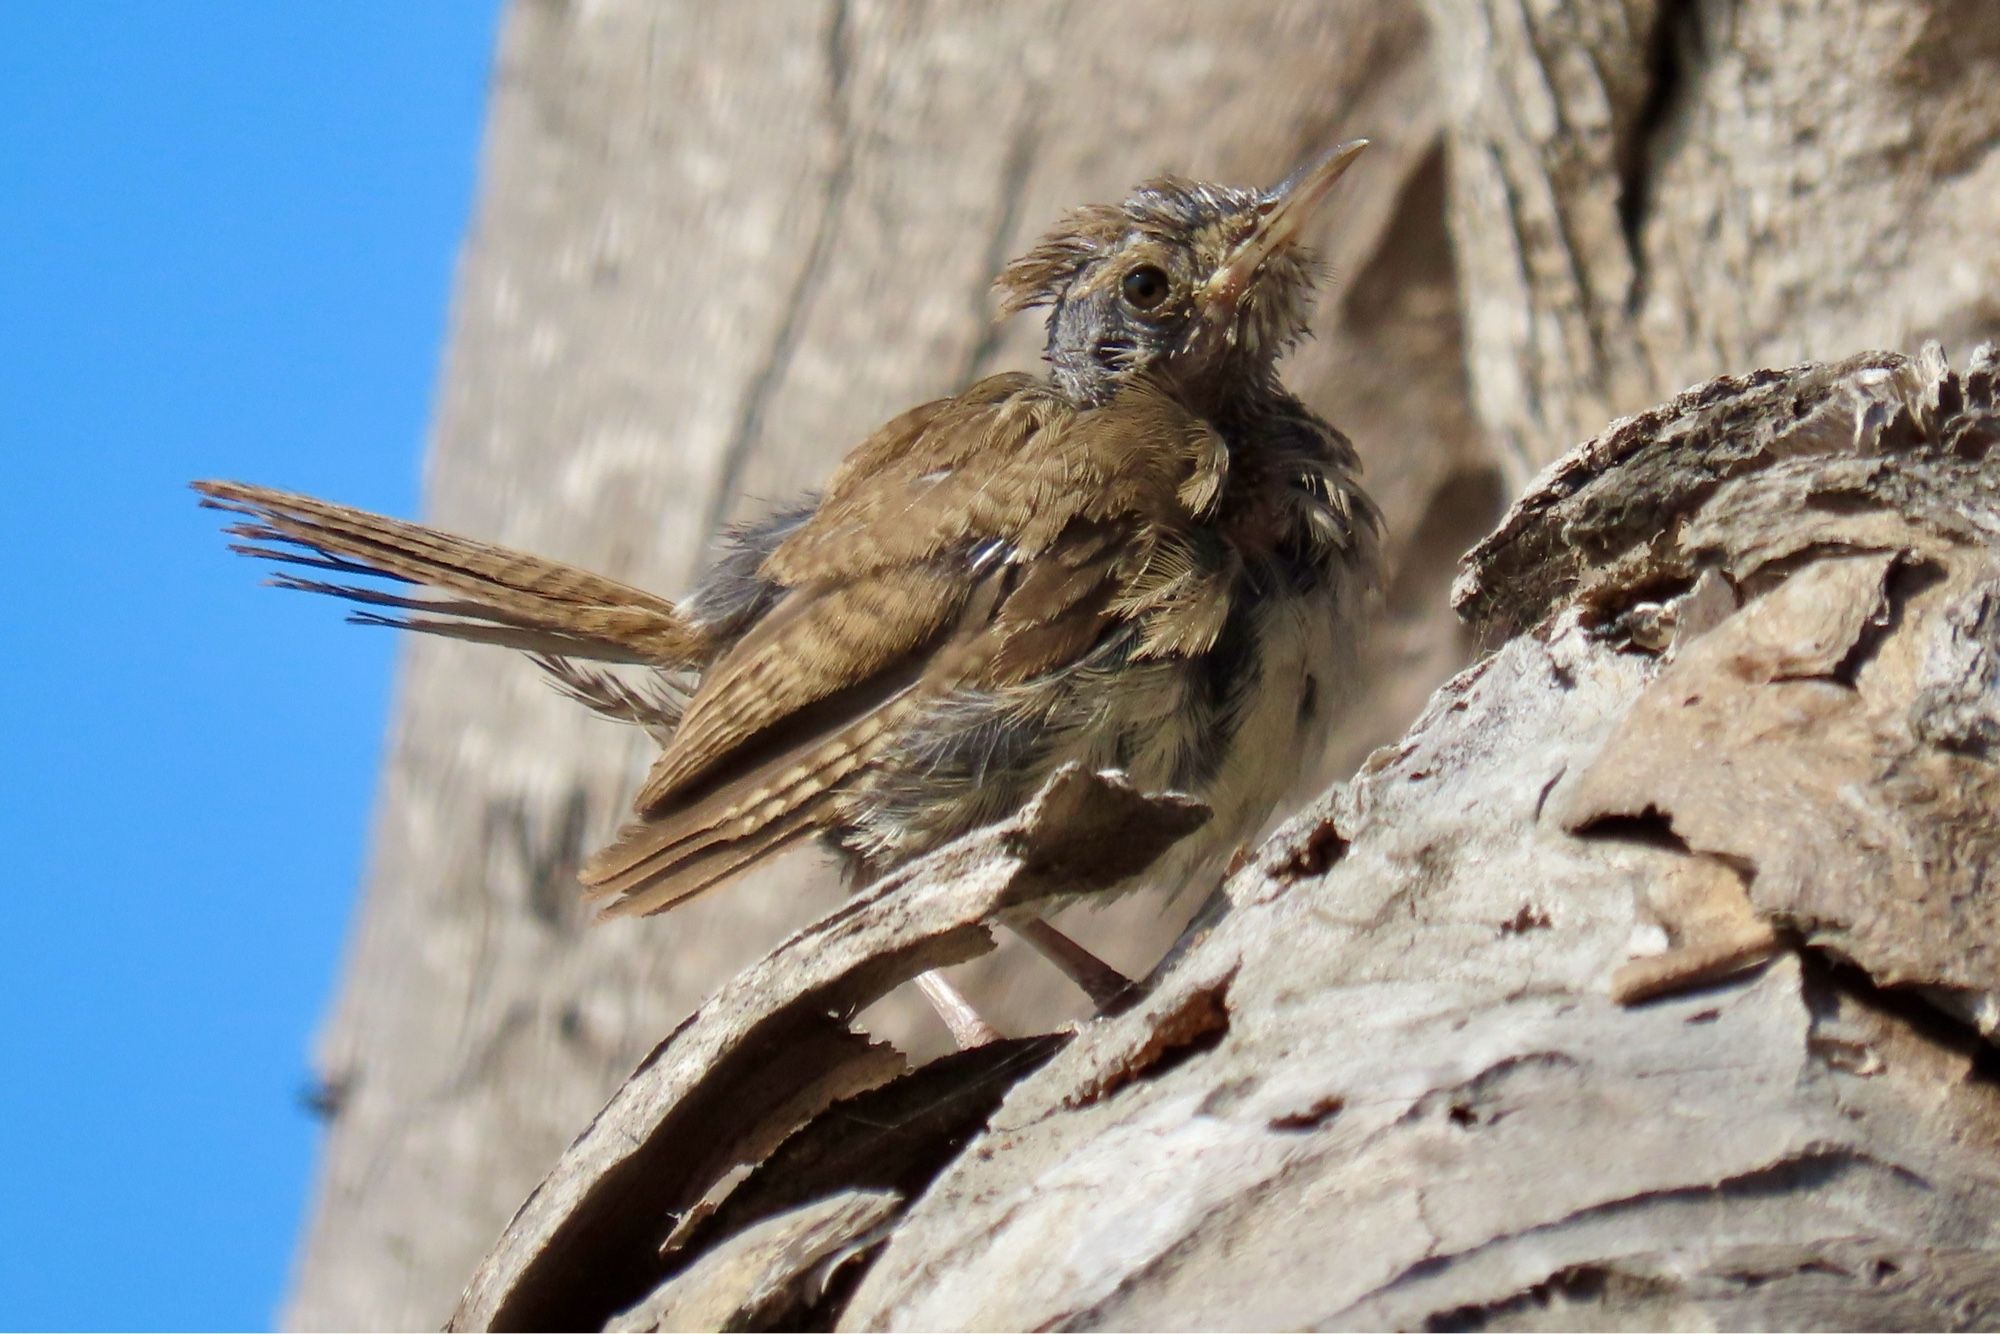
(1151,560)
(500,596)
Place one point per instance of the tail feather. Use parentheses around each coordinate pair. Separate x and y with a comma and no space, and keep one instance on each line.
(669,857)
(493,594)
(656,705)
(448,585)
(718,863)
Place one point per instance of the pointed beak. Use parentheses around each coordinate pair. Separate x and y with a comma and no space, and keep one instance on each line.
(1281,216)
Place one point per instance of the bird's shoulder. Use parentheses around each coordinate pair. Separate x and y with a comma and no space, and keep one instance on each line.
(976,540)
(1009,462)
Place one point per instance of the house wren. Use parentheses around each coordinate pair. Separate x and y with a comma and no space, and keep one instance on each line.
(1153,558)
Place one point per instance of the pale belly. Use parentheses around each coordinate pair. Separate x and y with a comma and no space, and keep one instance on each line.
(1269,757)
(1243,734)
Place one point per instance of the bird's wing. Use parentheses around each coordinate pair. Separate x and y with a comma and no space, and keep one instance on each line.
(1008,460)
(492,594)
(974,542)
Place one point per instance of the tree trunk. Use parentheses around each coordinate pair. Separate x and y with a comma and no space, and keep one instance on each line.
(1647,983)
(717,244)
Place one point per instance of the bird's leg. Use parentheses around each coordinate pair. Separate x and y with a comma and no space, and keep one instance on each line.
(1106,986)
(968,1030)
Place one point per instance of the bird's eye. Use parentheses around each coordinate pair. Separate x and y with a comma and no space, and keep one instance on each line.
(1144,287)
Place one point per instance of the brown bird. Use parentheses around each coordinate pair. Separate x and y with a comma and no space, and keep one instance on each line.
(1152,559)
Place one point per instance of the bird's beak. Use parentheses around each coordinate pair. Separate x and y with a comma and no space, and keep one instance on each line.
(1281,215)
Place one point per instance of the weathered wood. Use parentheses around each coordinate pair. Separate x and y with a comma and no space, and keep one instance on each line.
(769,1053)
(1413,1102)
(1390,1085)
(1649,193)
(770,1276)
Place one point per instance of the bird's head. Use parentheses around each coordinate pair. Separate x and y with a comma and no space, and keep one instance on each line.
(1200,285)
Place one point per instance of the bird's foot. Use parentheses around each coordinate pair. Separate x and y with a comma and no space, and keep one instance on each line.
(968,1028)
(1108,989)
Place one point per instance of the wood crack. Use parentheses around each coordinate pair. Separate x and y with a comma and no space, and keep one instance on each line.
(810,276)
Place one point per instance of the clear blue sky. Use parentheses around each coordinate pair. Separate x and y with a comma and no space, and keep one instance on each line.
(227,236)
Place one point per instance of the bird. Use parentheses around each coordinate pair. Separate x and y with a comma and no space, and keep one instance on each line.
(1149,557)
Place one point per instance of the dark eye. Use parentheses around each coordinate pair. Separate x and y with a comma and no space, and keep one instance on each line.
(1144,287)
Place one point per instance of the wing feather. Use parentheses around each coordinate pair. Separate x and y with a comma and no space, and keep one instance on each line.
(813,647)
(972,543)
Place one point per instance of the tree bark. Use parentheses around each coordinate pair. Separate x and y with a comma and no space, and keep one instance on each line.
(717,244)
(1736,758)
(1648,193)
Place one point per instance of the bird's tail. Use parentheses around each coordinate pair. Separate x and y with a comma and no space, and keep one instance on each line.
(482,592)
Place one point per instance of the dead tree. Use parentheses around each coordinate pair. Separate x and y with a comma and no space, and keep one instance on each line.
(717,242)
(1648,982)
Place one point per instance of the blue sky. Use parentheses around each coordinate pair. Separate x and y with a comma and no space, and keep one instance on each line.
(227,237)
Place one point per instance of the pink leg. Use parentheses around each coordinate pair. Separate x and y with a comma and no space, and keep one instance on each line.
(967,1028)
(1106,986)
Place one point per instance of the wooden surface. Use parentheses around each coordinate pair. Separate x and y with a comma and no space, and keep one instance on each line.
(1649,193)
(1753,677)
(770,1053)
(1416,1105)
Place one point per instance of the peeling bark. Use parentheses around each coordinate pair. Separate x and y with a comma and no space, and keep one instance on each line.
(1389,1082)
(756,1066)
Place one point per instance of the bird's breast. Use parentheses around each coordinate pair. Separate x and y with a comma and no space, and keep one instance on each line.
(1240,725)
(1220,644)
(1252,731)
